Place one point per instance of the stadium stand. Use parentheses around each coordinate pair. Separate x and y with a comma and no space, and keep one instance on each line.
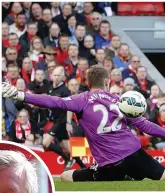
(39,37)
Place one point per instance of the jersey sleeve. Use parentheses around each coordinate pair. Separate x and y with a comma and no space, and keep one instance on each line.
(148,127)
(73,103)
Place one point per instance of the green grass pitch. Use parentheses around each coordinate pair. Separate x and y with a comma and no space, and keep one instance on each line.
(146,185)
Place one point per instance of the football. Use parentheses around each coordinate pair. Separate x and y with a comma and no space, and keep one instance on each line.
(132,104)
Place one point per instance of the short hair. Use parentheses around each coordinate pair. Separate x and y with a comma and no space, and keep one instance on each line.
(82,59)
(32,23)
(63,36)
(80,24)
(123,44)
(96,76)
(21,13)
(72,45)
(96,13)
(12,66)
(105,22)
(20,165)
(13,34)
(116,70)
(46,9)
(141,67)
(10,49)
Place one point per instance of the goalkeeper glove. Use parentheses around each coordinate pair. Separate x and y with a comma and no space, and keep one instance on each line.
(9,91)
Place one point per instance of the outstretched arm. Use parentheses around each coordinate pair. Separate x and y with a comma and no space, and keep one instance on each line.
(148,127)
(74,103)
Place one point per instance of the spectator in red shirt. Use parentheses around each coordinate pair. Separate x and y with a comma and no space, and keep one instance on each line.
(143,84)
(14,43)
(103,38)
(93,27)
(36,49)
(5,34)
(36,12)
(116,78)
(12,57)
(27,70)
(62,49)
(15,9)
(12,74)
(131,70)
(87,10)
(114,46)
(30,34)
(70,64)
(82,68)
(48,52)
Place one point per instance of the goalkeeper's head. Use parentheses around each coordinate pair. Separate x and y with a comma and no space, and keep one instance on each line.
(98,77)
(17,174)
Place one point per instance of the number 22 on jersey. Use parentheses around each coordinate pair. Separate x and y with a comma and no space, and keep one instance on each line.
(115,126)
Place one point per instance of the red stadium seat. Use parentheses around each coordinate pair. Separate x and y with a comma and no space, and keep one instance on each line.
(124,8)
(141,8)
(159,8)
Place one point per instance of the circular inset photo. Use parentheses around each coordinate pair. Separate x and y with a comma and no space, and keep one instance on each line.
(23,171)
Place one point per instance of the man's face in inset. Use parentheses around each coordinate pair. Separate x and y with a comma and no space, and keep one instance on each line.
(10,182)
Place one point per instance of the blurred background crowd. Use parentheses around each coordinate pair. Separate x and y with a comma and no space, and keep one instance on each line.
(47,48)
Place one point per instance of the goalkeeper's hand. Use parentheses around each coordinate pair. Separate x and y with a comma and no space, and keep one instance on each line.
(9,91)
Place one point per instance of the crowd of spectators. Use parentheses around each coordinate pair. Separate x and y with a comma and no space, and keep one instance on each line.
(46,45)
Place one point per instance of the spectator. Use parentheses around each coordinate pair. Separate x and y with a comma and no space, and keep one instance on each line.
(12,74)
(73,86)
(15,9)
(114,46)
(51,66)
(153,99)
(35,12)
(100,56)
(40,85)
(19,27)
(143,84)
(27,70)
(20,85)
(115,90)
(160,101)
(26,7)
(45,23)
(4,66)
(48,52)
(103,38)
(36,49)
(88,50)
(81,71)
(87,10)
(71,22)
(5,34)
(84,86)
(23,130)
(11,56)
(128,84)
(122,60)
(55,9)
(70,64)
(131,70)
(62,49)
(29,34)
(108,64)
(62,18)
(116,78)
(93,27)
(14,43)
(6,6)
(80,34)
(52,39)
